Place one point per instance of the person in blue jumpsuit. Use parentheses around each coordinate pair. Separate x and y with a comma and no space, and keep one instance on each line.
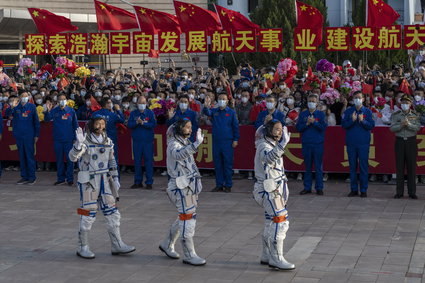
(312,126)
(225,133)
(1,136)
(64,126)
(183,111)
(26,130)
(358,122)
(270,114)
(142,124)
(113,116)
(84,112)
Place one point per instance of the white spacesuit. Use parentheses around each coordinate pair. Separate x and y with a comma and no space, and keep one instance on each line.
(271,192)
(183,189)
(98,185)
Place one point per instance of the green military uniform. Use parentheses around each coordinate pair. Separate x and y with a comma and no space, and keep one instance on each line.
(406,148)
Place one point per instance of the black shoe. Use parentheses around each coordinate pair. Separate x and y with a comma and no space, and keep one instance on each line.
(363,195)
(22,182)
(398,196)
(319,192)
(136,186)
(30,183)
(304,192)
(58,183)
(217,189)
(353,194)
(70,183)
(149,187)
(227,189)
(413,196)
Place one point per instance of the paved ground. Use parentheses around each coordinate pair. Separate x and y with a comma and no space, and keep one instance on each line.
(331,238)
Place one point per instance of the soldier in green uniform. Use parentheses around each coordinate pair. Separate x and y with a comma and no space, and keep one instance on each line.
(405,124)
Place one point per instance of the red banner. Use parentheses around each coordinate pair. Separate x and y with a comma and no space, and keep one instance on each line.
(337,39)
(196,41)
(120,43)
(364,38)
(78,43)
(169,42)
(35,44)
(57,44)
(381,155)
(244,41)
(270,40)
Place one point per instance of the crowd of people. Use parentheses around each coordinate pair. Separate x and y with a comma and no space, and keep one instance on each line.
(65,93)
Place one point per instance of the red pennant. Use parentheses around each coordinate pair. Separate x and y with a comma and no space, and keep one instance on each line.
(95,106)
(50,23)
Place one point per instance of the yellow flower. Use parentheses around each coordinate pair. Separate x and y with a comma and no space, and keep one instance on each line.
(70,103)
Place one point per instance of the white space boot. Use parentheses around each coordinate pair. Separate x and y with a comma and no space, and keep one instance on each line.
(276,259)
(190,256)
(265,255)
(83,245)
(118,247)
(167,246)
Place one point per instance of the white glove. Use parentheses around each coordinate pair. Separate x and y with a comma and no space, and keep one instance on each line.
(199,138)
(286,137)
(80,135)
(117,183)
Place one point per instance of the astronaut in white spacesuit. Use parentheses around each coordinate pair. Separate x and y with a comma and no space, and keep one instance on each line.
(98,184)
(183,189)
(271,191)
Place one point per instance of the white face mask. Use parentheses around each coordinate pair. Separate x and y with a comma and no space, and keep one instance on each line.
(34,92)
(55,98)
(282,87)
(311,105)
(418,97)
(183,106)
(98,94)
(422,52)
(126,105)
(358,101)
(88,102)
(43,93)
(24,99)
(72,96)
(290,101)
(134,99)
(141,107)
(118,97)
(39,101)
(184,77)
(270,105)
(62,103)
(222,103)
(202,95)
(375,99)
(244,99)
(405,106)
(191,97)
(387,98)
(83,92)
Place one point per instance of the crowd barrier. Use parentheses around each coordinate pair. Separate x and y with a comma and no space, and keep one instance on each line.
(381,156)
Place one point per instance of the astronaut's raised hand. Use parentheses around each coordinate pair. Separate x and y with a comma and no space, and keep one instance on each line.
(80,136)
(117,183)
(199,138)
(286,137)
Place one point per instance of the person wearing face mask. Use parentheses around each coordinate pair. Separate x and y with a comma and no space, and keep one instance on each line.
(184,187)
(26,130)
(183,111)
(1,136)
(113,115)
(194,104)
(405,124)
(358,122)
(271,191)
(312,126)
(64,126)
(269,114)
(420,56)
(85,111)
(225,133)
(244,108)
(142,124)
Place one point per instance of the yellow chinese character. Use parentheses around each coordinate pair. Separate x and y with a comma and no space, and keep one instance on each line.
(159,148)
(220,42)
(337,39)
(364,38)
(99,43)
(205,148)
(372,154)
(270,39)
(143,42)
(57,44)
(170,41)
(244,39)
(305,40)
(120,41)
(293,145)
(421,147)
(78,43)
(416,36)
(388,38)
(197,41)
(35,44)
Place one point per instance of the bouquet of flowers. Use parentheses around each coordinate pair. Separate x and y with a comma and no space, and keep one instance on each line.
(71,103)
(158,106)
(82,72)
(40,113)
(381,103)
(356,86)
(169,104)
(61,61)
(325,66)
(420,106)
(345,89)
(59,73)
(287,68)
(25,65)
(330,96)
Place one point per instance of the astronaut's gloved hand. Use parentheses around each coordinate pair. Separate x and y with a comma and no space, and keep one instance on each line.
(117,183)
(80,136)
(286,137)
(199,138)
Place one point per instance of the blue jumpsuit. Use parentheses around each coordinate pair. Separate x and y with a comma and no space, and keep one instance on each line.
(312,140)
(358,143)
(263,114)
(224,132)
(112,119)
(26,127)
(1,133)
(64,126)
(84,112)
(189,114)
(143,137)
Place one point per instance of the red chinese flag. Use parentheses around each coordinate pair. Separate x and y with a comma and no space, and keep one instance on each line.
(405,87)
(367,89)
(95,106)
(192,17)
(144,18)
(232,20)
(161,21)
(309,17)
(153,53)
(380,14)
(113,18)
(50,23)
